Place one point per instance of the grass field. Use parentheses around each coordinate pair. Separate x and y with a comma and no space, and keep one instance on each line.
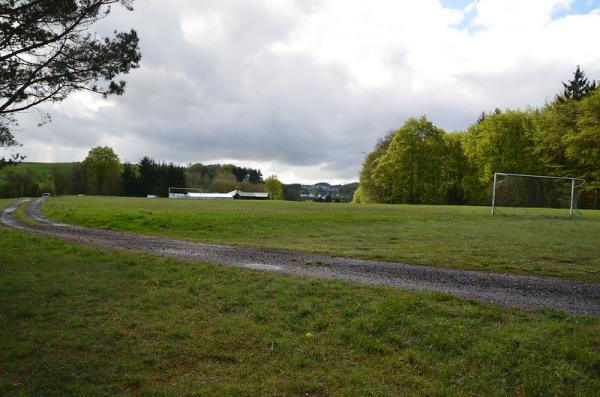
(538,242)
(87,321)
(41,170)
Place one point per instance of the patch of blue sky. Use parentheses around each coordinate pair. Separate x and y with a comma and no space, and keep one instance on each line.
(469,17)
(578,7)
(456,4)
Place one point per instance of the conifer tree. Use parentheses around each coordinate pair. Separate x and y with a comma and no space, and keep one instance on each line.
(577,88)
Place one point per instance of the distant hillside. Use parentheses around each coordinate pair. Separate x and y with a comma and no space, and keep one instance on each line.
(321,191)
(42,171)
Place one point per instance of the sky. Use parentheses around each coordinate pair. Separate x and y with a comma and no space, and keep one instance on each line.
(304,88)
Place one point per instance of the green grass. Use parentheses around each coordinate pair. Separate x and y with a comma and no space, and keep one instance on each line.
(41,170)
(94,322)
(537,242)
(22,216)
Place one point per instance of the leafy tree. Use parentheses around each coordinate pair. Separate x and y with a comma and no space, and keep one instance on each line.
(79,179)
(503,143)
(47,51)
(20,184)
(103,170)
(370,190)
(7,140)
(274,187)
(292,192)
(410,171)
(224,181)
(358,196)
(583,146)
(455,169)
(61,180)
(555,122)
(577,88)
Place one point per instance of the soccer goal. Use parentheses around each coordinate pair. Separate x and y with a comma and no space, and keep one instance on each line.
(183,192)
(535,191)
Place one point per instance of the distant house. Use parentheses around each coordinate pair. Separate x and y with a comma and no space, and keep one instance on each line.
(234,195)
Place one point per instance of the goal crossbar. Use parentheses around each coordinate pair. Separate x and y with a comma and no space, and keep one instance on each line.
(566,178)
(570,178)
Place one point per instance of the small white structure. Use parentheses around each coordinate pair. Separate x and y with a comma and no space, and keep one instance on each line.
(185,193)
(209,196)
(239,195)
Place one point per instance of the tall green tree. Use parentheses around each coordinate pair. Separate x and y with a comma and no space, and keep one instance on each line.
(370,190)
(503,143)
(148,176)
(410,171)
(79,179)
(19,184)
(455,169)
(583,147)
(48,50)
(224,181)
(60,179)
(577,88)
(174,177)
(103,170)
(274,187)
(129,180)
(555,122)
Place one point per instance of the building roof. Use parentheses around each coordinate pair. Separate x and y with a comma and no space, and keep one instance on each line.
(210,195)
(248,194)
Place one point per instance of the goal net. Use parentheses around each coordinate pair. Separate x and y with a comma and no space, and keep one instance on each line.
(535,191)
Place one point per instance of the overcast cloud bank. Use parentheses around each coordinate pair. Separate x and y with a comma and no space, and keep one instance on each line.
(304,88)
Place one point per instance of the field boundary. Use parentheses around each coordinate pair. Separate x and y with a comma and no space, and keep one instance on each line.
(505,289)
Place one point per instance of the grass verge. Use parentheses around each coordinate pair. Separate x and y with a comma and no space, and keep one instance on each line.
(536,242)
(88,321)
(21,215)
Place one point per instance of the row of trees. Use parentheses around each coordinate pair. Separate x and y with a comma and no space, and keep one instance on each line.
(102,173)
(421,163)
(223,178)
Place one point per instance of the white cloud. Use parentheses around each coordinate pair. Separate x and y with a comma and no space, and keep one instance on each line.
(304,87)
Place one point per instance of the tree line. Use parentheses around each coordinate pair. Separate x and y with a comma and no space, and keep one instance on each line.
(101,173)
(423,164)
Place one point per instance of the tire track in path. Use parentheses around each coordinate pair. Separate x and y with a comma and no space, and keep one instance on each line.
(505,289)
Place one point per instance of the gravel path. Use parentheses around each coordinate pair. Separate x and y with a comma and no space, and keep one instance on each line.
(505,289)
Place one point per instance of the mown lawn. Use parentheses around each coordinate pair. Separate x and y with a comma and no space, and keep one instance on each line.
(93,322)
(539,242)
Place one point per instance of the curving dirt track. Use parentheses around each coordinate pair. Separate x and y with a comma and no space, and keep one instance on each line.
(504,289)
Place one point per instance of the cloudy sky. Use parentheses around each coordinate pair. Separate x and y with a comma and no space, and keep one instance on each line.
(303,88)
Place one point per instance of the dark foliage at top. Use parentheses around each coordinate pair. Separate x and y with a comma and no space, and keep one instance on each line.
(577,88)
(48,51)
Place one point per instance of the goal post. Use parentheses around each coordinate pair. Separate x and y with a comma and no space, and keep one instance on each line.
(555,196)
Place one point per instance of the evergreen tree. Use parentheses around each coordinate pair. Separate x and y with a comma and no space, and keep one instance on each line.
(175,177)
(129,180)
(148,176)
(577,88)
